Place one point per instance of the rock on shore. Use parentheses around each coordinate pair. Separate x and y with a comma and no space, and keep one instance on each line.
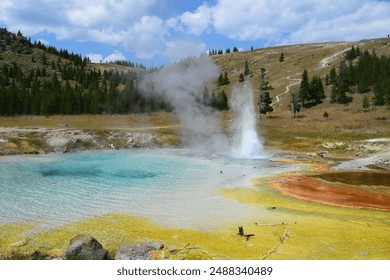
(83,247)
(143,251)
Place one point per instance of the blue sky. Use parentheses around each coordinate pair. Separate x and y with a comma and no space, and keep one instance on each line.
(155,32)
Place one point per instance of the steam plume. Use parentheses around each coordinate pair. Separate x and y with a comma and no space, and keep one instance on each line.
(180,85)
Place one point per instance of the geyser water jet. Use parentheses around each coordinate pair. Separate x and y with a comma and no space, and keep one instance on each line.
(246,141)
(179,84)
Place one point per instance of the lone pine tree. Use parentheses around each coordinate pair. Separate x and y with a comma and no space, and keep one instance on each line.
(265,99)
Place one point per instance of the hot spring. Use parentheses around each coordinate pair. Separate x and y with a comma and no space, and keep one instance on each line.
(172,187)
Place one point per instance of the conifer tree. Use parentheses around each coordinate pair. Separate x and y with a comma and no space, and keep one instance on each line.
(332,76)
(246,70)
(265,103)
(316,90)
(206,97)
(225,79)
(241,78)
(281,58)
(351,54)
(366,103)
(295,103)
(304,89)
(223,101)
(265,99)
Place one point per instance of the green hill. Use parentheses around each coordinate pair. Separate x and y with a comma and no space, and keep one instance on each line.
(41,80)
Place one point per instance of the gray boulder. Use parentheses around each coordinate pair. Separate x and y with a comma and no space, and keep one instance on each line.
(137,252)
(84,247)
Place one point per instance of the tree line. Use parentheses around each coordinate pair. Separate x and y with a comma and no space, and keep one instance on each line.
(217,101)
(220,51)
(59,82)
(364,72)
(78,90)
(311,92)
(83,91)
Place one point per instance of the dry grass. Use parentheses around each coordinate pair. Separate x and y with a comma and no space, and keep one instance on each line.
(94,122)
(311,131)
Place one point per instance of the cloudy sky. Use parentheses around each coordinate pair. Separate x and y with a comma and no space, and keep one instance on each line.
(155,32)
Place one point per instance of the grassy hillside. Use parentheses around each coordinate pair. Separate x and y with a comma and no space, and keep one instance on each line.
(316,58)
(310,130)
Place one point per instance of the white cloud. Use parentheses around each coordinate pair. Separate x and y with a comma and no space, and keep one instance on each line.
(174,24)
(115,56)
(367,21)
(101,14)
(105,35)
(276,21)
(86,17)
(74,19)
(146,38)
(95,58)
(6,4)
(198,22)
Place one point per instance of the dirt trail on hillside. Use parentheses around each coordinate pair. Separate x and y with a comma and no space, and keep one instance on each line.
(323,63)
(277,97)
(329,59)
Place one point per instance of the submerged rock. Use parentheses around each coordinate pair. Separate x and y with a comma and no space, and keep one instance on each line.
(83,247)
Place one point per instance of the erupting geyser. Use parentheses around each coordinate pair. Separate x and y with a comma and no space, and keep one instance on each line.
(201,128)
(246,142)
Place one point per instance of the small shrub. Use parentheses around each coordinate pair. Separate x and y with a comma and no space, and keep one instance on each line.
(325,115)
(366,103)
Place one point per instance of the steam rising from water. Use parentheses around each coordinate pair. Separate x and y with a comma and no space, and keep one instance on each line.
(180,85)
(246,142)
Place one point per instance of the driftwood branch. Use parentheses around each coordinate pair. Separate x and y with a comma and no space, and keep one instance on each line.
(175,251)
(282,240)
(270,224)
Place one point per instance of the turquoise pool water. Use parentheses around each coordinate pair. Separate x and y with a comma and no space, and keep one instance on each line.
(171,187)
